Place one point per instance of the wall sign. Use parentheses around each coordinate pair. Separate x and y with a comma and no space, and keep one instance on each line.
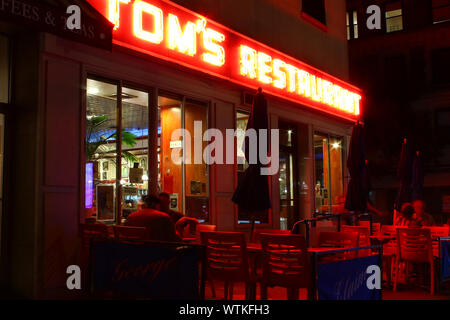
(41,16)
(168,31)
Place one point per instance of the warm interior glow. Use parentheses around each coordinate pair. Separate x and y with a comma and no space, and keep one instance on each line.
(141,7)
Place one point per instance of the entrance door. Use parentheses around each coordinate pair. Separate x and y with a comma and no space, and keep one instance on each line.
(288,176)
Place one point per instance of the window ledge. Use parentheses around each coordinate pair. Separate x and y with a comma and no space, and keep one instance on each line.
(314,21)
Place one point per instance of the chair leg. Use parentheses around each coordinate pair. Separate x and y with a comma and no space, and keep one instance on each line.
(213,290)
(230,295)
(263,291)
(225,289)
(432,278)
(396,271)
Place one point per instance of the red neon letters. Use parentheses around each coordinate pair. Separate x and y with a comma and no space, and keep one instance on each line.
(171,32)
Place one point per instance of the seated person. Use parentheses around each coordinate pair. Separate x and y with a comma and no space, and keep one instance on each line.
(177,217)
(164,206)
(405,218)
(158,224)
(422,218)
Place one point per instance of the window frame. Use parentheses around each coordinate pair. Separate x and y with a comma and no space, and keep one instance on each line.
(315,21)
(393,17)
(433,8)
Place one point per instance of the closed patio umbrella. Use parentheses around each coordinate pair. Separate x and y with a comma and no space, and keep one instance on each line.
(356,199)
(417,178)
(404,174)
(252,192)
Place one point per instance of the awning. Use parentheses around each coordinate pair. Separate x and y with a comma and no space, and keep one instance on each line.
(50,16)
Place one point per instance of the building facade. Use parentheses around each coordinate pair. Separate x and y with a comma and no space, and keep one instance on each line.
(91,130)
(403,70)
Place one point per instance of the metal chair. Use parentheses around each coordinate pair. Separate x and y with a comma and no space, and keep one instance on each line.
(285,264)
(226,259)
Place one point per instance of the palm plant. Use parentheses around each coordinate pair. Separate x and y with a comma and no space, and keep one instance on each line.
(97,144)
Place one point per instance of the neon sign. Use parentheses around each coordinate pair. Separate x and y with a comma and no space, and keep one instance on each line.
(168,31)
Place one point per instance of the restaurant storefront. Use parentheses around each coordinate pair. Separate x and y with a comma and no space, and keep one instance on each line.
(109,122)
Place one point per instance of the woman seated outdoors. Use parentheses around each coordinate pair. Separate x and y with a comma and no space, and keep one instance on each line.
(406,216)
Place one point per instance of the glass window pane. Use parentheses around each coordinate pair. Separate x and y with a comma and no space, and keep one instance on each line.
(322,183)
(241,125)
(170,173)
(336,174)
(134,178)
(394,24)
(196,174)
(4,69)
(101,156)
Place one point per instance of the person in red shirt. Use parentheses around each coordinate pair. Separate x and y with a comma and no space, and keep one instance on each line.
(159,225)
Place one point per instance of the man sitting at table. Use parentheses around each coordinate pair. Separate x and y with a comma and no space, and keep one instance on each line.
(159,225)
(181,222)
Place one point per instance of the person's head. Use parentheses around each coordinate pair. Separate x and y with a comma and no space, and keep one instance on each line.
(164,201)
(419,207)
(150,202)
(407,210)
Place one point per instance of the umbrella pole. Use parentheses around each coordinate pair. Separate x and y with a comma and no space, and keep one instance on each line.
(252,230)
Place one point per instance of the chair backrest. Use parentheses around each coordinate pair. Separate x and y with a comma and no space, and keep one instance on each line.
(414,244)
(389,231)
(257,232)
(436,233)
(364,237)
(130,233)
(340,240)
(286,261)
(376,226)
(226,255)
(203,228)
(91,231)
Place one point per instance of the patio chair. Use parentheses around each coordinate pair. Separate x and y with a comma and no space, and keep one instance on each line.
(257,232)
(376,226)
(338,240)
(364,238)
(130,233)
(285,264)
(436,233)
(226,259)
(389,250)
(414,246)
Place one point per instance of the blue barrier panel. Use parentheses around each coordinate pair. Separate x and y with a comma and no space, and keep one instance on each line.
(444,256)
(347,280)
(152,271)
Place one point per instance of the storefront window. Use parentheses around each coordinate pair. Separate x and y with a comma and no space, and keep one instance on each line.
(101,150)
(329,187)
(134,166)
(4,69)
(186,183)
